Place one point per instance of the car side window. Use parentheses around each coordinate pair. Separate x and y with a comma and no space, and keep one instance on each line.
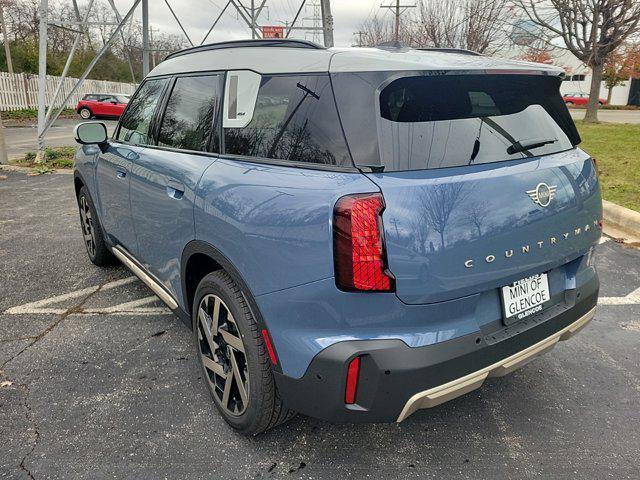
(295,119)
(189,117)
(135,123)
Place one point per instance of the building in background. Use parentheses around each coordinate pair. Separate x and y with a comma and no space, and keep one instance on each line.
(578,80)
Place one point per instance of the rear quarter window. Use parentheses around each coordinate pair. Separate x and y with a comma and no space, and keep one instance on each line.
(294,119)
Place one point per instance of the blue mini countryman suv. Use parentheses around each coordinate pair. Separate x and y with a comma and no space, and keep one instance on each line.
(354,234)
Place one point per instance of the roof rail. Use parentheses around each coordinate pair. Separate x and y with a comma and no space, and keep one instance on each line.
(262,42)
(461,51)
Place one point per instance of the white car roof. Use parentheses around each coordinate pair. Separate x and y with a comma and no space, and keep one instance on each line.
(291,56)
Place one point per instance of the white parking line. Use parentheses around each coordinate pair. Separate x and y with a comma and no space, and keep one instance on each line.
(632,299)
(133,307)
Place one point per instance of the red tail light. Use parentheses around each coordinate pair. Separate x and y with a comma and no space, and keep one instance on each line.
(352,381)
(359,251)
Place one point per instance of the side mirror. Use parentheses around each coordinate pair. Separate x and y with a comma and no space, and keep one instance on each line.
(90,133)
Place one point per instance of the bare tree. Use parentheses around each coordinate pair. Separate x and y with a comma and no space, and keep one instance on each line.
(477,25)
(590,29)
(476,215)
(439,202)
(380,30)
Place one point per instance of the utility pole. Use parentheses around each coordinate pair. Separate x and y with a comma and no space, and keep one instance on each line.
(152,48)
(327,22)
(397,7)
(42,75)
(7,47)
(145,38)
(360,34)
(3,145)
(253,19)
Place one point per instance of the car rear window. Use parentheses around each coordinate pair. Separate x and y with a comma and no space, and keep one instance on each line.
(413,120)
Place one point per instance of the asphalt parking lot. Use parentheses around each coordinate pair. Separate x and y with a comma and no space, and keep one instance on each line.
(97,380)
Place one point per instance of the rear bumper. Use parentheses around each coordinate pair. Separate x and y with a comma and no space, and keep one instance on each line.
(396,380)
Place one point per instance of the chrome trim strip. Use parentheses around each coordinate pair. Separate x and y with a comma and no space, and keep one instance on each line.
(448,391)
(158,289)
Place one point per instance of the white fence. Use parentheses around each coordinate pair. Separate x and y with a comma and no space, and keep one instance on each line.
(20,90)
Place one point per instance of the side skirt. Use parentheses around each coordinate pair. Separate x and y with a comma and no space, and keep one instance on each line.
(151,282)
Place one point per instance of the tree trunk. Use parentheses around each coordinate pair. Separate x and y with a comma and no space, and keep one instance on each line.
(594,93)
(609,95)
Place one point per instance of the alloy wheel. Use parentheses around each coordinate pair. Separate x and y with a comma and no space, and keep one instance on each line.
(84,113)
(223,355)
(88,232)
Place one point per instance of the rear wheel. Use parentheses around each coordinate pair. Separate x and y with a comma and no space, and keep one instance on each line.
(234,359)
(92,233)
(569,104)
(85,113)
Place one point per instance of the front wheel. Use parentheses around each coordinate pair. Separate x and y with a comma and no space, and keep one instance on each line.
(85,113)
(92,233)
(234,359)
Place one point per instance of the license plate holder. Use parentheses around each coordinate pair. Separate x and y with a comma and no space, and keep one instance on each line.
(524,297)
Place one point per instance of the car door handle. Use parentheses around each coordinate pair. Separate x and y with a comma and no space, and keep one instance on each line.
(121,173)
(175,189)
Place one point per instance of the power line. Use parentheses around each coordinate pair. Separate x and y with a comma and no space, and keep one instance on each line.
(397,7)
(360,34)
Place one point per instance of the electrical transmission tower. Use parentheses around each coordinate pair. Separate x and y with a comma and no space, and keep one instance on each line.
(316,21)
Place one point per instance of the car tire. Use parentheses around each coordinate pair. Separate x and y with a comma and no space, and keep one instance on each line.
(569,103)
(85,113)
(92,233)
(233,357)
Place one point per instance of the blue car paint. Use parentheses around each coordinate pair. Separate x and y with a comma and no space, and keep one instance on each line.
(273,222)
(305,320)
(163,191)
(112,177)
(420,203)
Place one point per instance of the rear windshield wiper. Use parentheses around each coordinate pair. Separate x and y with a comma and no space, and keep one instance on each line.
(523,145)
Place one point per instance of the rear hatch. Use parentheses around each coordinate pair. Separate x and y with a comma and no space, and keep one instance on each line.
(483,183)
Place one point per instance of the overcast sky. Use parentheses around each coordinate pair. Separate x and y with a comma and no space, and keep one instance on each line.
(198,15)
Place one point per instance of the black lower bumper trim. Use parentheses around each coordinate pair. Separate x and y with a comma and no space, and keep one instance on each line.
(391,372)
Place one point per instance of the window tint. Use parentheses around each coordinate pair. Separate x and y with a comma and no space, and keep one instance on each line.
(91,98)
(295,119)
(426,121)
(134,126)
(188,118)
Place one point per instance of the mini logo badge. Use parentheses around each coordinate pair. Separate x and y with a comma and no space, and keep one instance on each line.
(542,194)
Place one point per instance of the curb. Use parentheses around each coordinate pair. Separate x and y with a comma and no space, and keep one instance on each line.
(622,218)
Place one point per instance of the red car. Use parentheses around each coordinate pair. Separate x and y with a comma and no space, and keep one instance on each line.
(102,105)
(580,99)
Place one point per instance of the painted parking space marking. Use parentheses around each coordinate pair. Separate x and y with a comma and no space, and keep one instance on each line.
(631,299)
(50,305)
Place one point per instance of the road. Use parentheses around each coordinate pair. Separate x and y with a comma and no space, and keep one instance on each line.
(92,386)
(21,140)
(612,116)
